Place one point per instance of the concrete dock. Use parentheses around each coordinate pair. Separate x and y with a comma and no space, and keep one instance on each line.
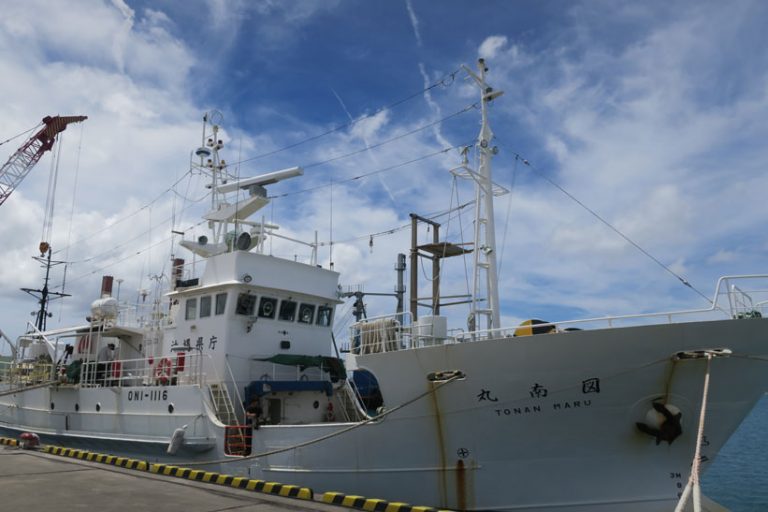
(39,481)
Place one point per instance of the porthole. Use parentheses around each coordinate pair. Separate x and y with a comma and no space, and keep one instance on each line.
(52,406)
(77,407)
(98,407)
(170,408)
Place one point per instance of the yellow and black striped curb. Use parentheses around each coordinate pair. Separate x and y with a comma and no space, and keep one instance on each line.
(9,442)
(288,491)
(372,505)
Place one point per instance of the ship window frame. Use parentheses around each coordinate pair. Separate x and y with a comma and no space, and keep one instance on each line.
(221,299)
(324,320)
(306,307)
(267,300)
(190,309)
(287,312)
(205,311)
(246,304)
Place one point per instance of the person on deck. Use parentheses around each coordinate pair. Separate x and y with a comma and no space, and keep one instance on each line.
(105,356)
(253,412)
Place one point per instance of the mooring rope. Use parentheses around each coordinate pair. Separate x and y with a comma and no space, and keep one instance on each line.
(693,481)
(327,436)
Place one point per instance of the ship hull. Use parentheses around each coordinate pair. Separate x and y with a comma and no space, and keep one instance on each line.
(537,423)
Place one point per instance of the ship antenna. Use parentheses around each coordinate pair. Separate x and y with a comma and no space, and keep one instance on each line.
(485,234)
(212,164)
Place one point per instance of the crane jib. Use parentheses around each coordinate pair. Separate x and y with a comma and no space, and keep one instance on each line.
(24,159)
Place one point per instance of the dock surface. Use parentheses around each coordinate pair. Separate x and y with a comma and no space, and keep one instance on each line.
(38,481)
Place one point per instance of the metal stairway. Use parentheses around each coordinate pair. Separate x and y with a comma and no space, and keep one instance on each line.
(225,411)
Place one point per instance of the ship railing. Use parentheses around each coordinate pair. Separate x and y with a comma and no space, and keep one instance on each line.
(15,374)
(178,369)
(236,387)
(142,315)
(186,369)
(750,300)
(747,299)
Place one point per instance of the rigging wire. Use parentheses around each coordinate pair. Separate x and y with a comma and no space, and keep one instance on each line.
(611,227)
(393,139)
(71,215)
(136,237)
(22,133)
(506,220)
(172,189)
(137,253)
(445,247)
(446,80)
(366,175)
(130,215)
(50,199)
(463,256)
(402,227)
(192,203)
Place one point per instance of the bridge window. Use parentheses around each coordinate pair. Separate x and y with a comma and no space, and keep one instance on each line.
(287,310)
(246,303)
(205,306)
(221,303)
(324,314)
(306,313)
(267,307)
(190,312)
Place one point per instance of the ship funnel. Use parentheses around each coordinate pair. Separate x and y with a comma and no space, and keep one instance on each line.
(106,286)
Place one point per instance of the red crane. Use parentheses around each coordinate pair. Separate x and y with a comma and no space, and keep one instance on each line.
(24,159)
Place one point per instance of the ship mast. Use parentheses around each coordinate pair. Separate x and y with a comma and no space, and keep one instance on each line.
(485,275)
(245,234)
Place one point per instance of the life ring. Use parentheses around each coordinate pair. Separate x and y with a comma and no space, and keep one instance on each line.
(163,370)
(329,415)
(84,344)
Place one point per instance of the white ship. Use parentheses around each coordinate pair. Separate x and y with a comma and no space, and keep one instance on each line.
(238,369)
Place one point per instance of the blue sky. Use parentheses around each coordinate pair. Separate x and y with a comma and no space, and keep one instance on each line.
(651,113)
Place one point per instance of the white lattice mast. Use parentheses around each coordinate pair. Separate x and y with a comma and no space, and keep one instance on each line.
(485,276)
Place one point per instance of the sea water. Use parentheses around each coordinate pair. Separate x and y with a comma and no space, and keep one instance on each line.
(738,478)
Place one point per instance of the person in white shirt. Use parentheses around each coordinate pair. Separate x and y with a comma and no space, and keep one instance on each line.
(105,356)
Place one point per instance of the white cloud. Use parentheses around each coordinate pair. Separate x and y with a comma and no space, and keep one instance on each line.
(491,46)
(723,256)
(643,135)
(121,37)
(369,127)
(86,58)
(414,21)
